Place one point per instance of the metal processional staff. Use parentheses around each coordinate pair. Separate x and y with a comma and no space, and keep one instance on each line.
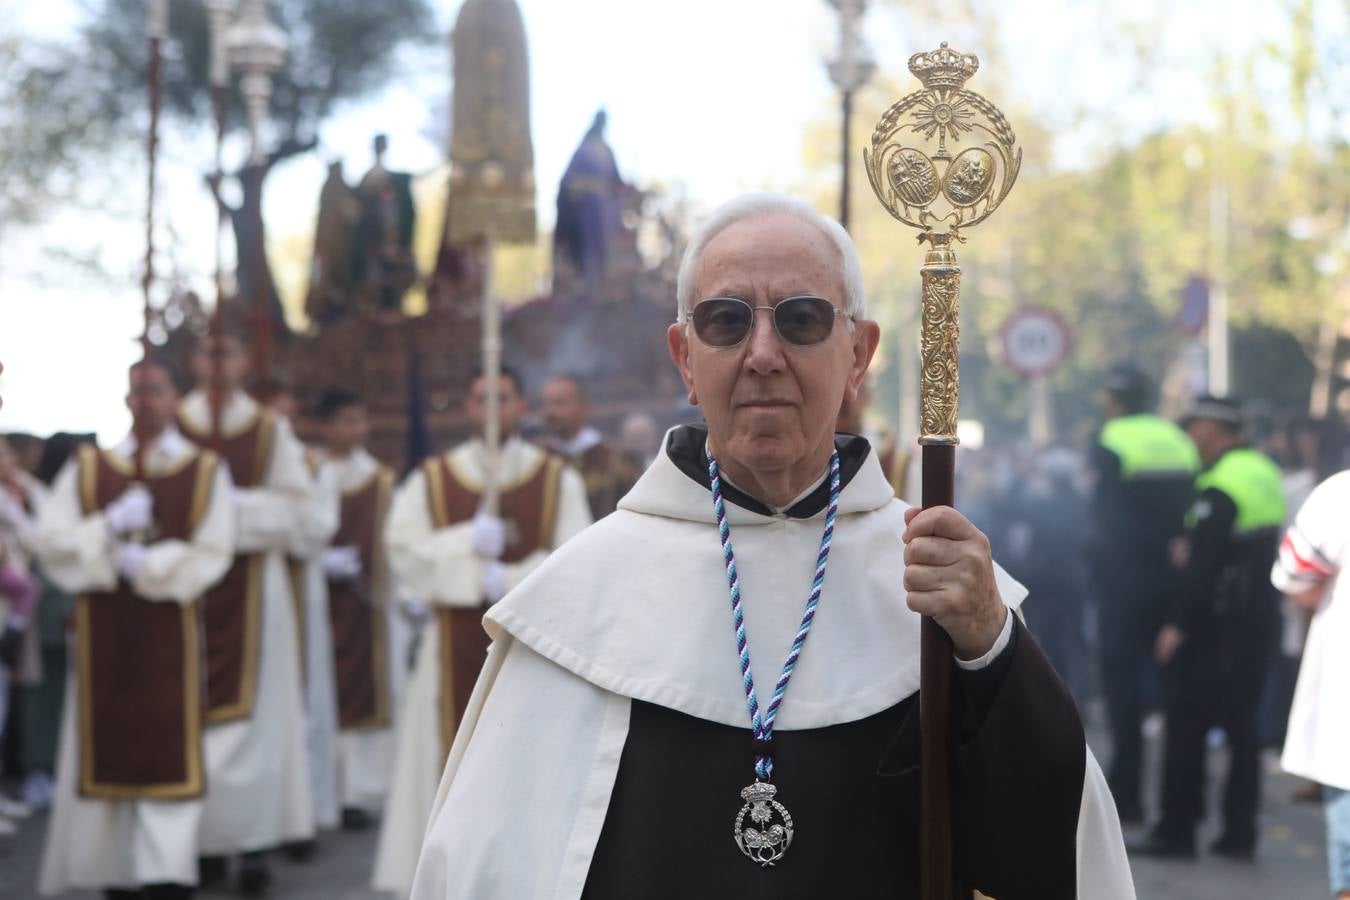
(942,159)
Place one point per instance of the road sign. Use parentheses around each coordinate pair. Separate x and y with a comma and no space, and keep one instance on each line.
(1035,341)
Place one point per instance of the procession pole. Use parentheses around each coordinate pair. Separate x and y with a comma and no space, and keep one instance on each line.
(158,26)
(492,379)
(939,193)
(218,13)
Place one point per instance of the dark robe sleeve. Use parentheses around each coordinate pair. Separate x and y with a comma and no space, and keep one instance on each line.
(1017,779)
(1215,513)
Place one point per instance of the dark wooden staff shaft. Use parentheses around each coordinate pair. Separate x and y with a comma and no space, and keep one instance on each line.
(935,707)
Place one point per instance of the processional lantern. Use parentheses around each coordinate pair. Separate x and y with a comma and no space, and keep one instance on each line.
(942,159)
(257,48)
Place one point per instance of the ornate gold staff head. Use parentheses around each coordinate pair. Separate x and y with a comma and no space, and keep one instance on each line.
(942,159)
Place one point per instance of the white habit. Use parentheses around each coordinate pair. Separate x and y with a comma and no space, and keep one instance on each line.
(93,843)
(440,567)
(258,767)
(636,608)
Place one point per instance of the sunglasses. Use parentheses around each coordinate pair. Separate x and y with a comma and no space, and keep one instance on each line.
(800,321)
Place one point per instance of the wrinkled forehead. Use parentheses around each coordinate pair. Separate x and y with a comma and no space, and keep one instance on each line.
(766,258)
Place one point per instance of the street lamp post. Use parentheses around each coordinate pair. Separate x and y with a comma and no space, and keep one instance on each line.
(849,71)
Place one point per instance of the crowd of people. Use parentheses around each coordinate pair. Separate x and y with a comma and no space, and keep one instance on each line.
(1168,564)
(300,630)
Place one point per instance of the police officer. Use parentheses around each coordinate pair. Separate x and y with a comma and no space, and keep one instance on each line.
(1144,467)
(1214,649)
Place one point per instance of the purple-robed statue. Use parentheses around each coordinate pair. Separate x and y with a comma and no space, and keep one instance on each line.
(590,215)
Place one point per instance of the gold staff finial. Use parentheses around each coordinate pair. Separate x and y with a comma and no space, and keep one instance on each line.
(926,178)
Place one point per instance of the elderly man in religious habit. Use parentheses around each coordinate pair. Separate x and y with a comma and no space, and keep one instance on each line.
(256,759)
(139,531)
(605,752)
(359,610)
(609,472)
(445,547)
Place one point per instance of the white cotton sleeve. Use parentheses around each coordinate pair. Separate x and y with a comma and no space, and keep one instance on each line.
(434,564)
(320,515)
(1317,540)
(1000,644)
(268,517)
(77,552)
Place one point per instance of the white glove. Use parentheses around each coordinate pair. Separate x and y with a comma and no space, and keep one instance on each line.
(133,511)
(494,581)
(130,560)
(489,536)
(342,563)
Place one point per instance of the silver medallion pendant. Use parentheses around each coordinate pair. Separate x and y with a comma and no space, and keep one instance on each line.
(768,836)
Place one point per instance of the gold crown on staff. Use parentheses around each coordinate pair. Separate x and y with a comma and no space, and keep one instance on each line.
(944,67)
(929,187)
(940,192)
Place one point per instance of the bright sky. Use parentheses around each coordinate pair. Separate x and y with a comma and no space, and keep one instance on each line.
(712,95)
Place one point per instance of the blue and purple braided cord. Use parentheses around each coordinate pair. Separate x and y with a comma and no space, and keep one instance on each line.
(762,725)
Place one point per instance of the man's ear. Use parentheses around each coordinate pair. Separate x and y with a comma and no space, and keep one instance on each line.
(677,340)
(866,337)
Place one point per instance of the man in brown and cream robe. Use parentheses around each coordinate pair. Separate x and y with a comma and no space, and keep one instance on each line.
(607,469)
(139,548)
(256,757)
(445,549)
(359,614)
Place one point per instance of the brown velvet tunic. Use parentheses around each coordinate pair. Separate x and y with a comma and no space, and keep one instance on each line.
(360,635)
(139,661)
(233,608)
(529,508)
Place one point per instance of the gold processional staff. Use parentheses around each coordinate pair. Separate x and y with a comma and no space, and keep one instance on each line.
(926,178)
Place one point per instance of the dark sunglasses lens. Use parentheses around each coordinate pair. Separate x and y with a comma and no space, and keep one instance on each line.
(804,320)
(722,322)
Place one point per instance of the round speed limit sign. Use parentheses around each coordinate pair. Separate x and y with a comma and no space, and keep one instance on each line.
(1035,341)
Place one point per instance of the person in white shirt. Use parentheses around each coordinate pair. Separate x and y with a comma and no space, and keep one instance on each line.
(1314,557)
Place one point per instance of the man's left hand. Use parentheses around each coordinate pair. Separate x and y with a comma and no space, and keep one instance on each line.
(949,575)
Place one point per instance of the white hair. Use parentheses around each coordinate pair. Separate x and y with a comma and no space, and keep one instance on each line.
(750,206)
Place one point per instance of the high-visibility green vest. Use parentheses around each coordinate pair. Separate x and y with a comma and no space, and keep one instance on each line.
(1148,445)
(1253,482)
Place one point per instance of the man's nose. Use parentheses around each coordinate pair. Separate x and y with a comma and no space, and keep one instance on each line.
(764,349)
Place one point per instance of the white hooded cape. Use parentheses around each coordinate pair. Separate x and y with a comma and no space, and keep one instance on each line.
(636,607)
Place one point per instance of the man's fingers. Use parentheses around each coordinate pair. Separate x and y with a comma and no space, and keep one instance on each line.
(941,521)
(931,551)
(941,579)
